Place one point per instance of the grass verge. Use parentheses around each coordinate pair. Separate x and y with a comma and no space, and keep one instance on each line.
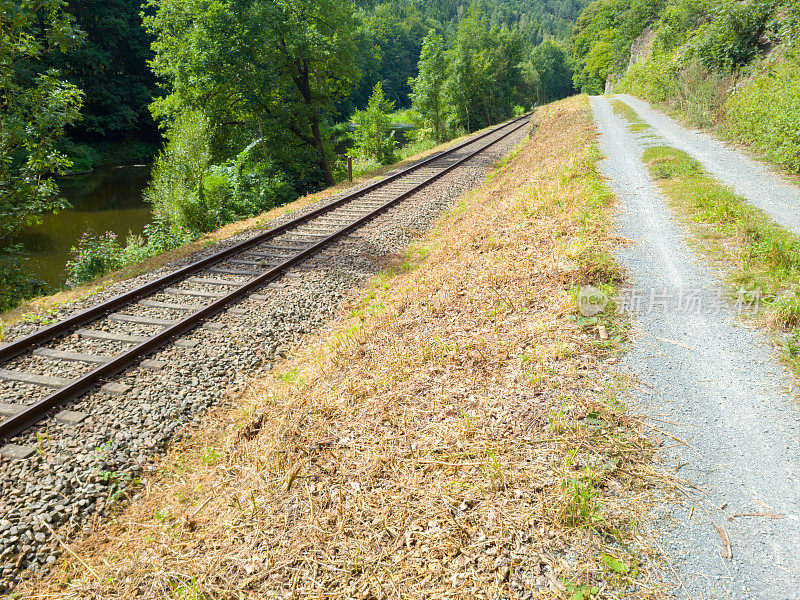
(761,258)
(454,434)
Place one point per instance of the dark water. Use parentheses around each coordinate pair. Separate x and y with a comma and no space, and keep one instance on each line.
(109,200)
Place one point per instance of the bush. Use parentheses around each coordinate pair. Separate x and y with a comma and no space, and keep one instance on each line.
(373,136)
(94,256)
(194,194)
(766,114)
(731,38)
(161,235)
(175,187)
(654,80)
(678,21)
(15,284)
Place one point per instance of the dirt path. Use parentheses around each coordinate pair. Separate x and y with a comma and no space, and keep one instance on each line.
(708,380)
(757,183)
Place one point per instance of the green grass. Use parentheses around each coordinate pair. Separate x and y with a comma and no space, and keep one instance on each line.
(636,123)
(762,259)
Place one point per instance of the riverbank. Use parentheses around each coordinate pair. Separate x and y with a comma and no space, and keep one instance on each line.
(453,433)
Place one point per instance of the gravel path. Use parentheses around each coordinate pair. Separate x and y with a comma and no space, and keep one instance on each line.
(80,470)
(710,380)
(758,183)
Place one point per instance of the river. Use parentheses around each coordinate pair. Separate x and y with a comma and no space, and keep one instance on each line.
(107,200)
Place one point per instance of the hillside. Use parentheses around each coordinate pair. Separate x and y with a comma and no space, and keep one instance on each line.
(724,64)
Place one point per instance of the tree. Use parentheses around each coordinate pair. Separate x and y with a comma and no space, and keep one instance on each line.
(427,89)
(273,70)
(549,60)
(35,107)
(373,135)
(597,25)
(111,68)
(485,78)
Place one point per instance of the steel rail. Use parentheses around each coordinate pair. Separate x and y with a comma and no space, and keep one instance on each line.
(35,412)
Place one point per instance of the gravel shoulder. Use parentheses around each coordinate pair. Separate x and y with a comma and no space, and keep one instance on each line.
(708,381)
(755,181)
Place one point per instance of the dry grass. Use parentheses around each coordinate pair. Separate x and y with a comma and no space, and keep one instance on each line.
(455,436)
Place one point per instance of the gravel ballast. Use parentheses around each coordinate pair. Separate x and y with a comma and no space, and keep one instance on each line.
(711,383)
(79,471)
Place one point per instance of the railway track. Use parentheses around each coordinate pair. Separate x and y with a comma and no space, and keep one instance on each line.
(170,306)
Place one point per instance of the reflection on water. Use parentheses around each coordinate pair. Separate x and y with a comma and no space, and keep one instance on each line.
(108,200)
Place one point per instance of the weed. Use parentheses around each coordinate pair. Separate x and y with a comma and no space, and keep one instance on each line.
(42,437)
(212,456)
(580,493)
(293,377)
(619,567)
(186,590)
(580,591)
(493,471)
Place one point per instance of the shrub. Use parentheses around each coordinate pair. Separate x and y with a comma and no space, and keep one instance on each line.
(94,256)
(195,194)
(731,38)
(161,235)
(175,187)
(373,136)
(15,284)
(766,113)
(654,79)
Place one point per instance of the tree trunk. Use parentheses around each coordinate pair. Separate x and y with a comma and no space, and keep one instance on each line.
(324,165)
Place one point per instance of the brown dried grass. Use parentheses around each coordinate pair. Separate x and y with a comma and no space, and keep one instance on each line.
(454,436)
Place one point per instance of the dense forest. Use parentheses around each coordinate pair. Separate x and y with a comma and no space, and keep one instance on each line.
(249,100)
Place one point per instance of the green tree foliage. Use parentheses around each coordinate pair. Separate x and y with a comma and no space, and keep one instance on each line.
(550,62)
(731,38)
(486,77)
(428,88)
(720,35)
(35,107)
(389,44)
(244,70)
(391,32)
(373,135)
(110,66)
(592,41)
(273,70)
